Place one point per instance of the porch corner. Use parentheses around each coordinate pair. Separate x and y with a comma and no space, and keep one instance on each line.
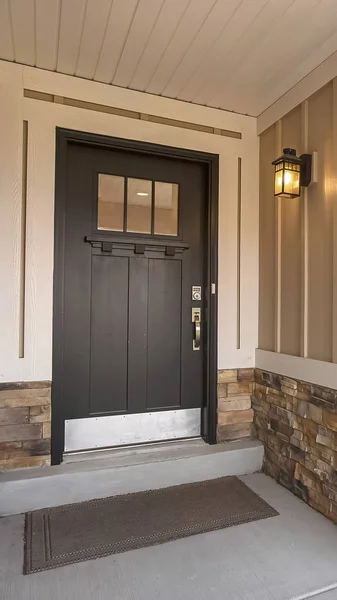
(297,423)
(235,414)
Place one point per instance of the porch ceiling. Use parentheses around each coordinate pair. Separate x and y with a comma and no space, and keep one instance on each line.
(238,55)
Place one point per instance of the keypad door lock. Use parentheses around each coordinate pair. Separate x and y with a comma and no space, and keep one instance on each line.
(196,292)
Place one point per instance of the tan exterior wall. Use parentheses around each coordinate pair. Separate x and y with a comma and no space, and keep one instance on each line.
(43,101)
(297,311)
(238,202)
(294,399)
(290,250)
(267,304)
(320,226)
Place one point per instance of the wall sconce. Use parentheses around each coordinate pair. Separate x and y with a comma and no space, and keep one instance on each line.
(291,172)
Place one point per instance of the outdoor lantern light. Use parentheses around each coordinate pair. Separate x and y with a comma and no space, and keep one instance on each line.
(291,172)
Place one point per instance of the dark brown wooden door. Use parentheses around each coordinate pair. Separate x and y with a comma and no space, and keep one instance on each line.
(135,235)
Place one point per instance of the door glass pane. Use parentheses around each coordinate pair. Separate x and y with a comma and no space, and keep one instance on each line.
(166,208)
(110,202)
(139,206)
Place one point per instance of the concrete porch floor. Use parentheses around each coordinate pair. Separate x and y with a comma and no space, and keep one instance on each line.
(292,556)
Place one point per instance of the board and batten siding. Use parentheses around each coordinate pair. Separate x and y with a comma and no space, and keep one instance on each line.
(238,228)
(298,237)
(267,243)
(290,249)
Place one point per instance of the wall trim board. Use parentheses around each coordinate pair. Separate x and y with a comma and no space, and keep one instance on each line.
(334,199)
(305,239)
(130,114)
(305,369)
(238,258)
(310,84)
(23,219)
(51,83)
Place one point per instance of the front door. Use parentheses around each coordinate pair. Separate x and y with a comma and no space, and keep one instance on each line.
(134,346)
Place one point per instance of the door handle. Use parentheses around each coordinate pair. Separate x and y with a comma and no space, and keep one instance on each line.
(196,341)
(196,313)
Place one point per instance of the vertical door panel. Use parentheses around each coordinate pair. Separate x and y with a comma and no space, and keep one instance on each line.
(164,334)
(193,215)
(77,285)
(109,334)
(137,363)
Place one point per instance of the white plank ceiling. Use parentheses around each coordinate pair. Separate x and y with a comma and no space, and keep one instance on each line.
(238,55)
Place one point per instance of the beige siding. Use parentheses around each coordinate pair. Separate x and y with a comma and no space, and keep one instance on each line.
(291,250)
(320,222)
(297,309)
(267,265)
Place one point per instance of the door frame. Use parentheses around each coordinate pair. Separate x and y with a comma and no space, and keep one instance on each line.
(64,137)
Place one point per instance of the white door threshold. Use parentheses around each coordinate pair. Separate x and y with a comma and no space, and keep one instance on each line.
(125,471)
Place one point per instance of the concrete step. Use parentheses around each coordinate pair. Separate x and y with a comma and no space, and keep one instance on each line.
(99,475)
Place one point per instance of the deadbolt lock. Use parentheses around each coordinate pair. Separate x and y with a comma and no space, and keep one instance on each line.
(196,292)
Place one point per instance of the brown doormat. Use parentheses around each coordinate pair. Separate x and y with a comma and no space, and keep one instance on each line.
(76,532)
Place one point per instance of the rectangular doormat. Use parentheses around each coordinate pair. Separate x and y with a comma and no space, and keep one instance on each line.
(55,537)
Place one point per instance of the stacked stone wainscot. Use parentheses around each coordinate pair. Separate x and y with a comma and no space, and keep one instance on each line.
(235,414)
(25,415)
(297,423)
(24,424)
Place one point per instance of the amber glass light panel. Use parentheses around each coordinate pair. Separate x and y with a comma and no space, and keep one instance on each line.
(166,208)
(278,180)
(139,205)
(287,180)
(110,214)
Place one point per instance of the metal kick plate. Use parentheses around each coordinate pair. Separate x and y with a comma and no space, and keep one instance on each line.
(196,292)
(120,430)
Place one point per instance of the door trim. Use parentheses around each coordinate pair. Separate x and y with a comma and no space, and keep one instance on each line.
(64,137)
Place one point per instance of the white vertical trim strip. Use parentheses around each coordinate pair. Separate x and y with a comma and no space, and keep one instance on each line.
(22,267)
(305,238)
(278,242)
(238,258)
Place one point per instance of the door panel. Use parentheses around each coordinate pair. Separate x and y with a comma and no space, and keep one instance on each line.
(75,375)
(138,311)
(109,334)
(128,331)
(164,334)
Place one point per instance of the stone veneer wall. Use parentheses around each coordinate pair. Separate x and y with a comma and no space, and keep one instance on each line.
(24,424)
(297,422)
(235,414)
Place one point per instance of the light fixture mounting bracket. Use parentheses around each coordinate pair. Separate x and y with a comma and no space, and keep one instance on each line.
(306,164)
